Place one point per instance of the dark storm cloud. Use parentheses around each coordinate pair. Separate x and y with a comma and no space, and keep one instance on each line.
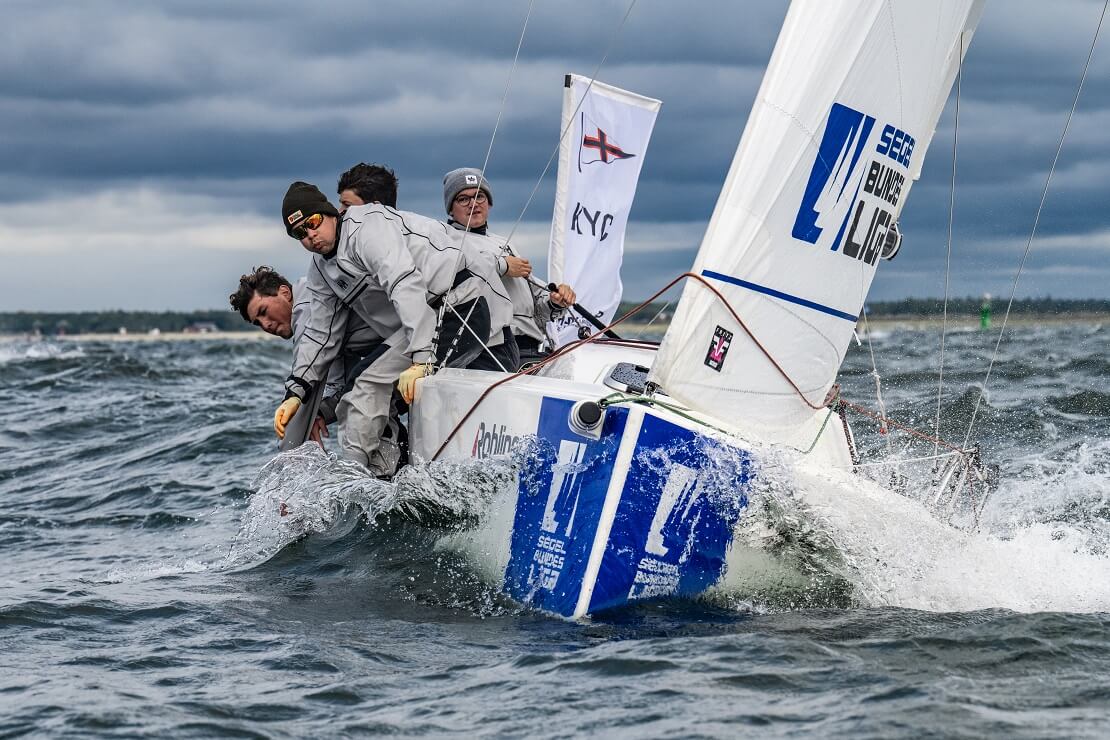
(232,100)
(118,90)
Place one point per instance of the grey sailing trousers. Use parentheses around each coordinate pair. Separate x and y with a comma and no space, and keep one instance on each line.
(363,414)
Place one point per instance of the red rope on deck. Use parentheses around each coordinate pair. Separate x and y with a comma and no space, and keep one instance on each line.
(600,333)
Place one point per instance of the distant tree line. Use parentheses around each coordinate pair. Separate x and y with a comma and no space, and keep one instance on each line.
(928,308)
(110,322)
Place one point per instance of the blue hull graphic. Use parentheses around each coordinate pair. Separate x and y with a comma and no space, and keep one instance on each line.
(646,510)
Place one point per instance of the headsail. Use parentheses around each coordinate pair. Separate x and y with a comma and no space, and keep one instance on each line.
(600,155)
(835,138)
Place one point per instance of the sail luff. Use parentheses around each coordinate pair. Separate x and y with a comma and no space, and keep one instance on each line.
(556,250)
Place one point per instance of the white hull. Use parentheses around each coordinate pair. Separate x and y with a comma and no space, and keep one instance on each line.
(643,506)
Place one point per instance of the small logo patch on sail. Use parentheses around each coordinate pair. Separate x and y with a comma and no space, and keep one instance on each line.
(718,348)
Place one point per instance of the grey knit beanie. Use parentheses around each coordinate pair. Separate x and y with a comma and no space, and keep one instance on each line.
(456,181)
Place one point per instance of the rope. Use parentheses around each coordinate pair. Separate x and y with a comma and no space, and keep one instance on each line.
(550,358)
(926,458)
(837,404)
(825,423)
(596,335)
(617,398)
(1036,222)
(902,427)
(951,219)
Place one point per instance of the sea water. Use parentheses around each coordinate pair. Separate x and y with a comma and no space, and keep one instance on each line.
(151,585)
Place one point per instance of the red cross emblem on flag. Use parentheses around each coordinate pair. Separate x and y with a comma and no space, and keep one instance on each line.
(607,150)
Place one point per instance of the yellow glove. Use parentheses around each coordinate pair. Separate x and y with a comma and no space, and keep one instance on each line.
(284,414)
(406,384)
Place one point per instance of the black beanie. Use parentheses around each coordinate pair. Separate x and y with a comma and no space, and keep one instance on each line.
(301,200)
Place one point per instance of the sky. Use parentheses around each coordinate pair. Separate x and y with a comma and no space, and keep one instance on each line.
(146,146)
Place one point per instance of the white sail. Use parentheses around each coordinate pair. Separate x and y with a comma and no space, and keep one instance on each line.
(600,156)
(835,138)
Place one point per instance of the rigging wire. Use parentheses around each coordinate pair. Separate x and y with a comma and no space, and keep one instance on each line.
(878,384)
(1036,222)
(485,164)
(570,124)
(504,97)
(654,318)
(951,219)
(539,180)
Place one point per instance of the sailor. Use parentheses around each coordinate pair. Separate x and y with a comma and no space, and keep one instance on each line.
(389,268)
(468,198)
(373,183)
(270,302)
(367,183)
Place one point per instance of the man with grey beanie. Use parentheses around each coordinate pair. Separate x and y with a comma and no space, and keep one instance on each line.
(468,196)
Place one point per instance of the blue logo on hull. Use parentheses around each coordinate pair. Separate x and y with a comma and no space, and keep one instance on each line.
(561,493)
(673,526)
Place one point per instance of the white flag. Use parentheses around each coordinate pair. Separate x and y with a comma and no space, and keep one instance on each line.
(599,164)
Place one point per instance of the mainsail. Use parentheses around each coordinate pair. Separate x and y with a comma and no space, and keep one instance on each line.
(835,138)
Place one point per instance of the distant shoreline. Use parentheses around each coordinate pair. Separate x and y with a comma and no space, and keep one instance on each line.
(628,328)
(144,336)
(973,321)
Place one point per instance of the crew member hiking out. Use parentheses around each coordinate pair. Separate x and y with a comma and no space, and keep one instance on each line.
(270,302)
(389,268)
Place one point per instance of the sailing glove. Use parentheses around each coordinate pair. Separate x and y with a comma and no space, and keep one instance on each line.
(406,384)
(284,414)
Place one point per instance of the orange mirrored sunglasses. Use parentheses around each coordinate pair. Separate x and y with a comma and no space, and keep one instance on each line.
(300,231)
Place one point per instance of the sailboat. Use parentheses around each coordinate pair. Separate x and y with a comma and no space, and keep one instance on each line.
(641,457)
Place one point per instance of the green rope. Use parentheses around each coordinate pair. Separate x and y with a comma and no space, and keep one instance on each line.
(819,432)
(618,398)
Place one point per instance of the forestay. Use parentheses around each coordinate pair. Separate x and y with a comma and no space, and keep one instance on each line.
(835,137)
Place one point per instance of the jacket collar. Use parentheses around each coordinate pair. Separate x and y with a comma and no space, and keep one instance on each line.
(476,230)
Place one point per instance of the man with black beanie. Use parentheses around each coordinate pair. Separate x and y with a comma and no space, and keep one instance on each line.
(387,267)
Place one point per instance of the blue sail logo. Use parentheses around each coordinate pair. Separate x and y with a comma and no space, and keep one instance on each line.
(834,181)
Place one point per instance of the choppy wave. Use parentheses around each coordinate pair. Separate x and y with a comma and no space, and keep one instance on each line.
(31,351)
(307,491)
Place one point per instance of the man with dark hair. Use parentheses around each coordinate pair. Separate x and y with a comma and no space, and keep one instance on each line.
(265,299)
(389,268)
(363,184)
(270,302)
(367,183)
(468,197)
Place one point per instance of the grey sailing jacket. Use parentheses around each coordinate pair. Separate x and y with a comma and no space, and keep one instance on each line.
(386,269)
(358,340)
(531,307)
